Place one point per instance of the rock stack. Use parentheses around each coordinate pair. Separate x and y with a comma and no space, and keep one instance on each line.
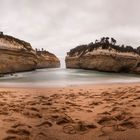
(105,56)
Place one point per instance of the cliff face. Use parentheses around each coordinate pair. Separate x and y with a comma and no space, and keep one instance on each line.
(16,55)
(47,60)
(103,57)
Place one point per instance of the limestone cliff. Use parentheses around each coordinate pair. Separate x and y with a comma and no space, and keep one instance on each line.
(16,55)
(47,60)
(104,56)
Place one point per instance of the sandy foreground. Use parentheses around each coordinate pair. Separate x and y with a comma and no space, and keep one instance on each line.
(94,112)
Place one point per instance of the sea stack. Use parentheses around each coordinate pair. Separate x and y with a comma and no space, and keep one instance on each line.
(46,59)
(16,55)
(105,56)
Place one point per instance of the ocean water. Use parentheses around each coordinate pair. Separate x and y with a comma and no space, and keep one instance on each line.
(64,77)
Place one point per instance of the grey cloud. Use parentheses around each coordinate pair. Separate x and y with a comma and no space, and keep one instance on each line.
(59,25)
(124,12)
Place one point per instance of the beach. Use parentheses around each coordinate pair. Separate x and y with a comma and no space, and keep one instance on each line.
(86,112)
(69,70)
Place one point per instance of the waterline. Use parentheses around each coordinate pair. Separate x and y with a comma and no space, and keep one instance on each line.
(61,77)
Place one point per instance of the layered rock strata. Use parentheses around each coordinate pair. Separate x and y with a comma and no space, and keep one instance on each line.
(17,56)
(104,57)
(47,60)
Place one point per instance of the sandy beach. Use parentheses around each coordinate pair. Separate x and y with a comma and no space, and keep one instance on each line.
(92,112)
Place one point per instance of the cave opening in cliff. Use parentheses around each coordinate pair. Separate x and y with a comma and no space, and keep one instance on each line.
(124,69)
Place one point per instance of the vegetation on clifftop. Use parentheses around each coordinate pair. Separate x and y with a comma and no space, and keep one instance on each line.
(104,43)
(13,39)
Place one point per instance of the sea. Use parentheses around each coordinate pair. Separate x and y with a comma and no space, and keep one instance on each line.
(62,77)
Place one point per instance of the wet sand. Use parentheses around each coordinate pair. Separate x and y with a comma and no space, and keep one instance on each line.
(93,112)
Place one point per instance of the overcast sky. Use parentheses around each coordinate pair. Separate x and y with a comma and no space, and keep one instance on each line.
(58,25)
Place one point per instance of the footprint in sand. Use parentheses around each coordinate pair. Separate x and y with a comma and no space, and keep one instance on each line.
(123,115)
(95,103)
(44,124)
(33,108)
(79,128)
(105,130)
(5,111)
(10,119)
(2,103)
(32,103)
(18,124)
(42,136)
(63,120)
(32,114)
(10,138)
(17,134)
(128,124)
(18,131)
(106,120)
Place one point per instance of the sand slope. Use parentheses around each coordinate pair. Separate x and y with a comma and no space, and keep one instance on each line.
(109,112)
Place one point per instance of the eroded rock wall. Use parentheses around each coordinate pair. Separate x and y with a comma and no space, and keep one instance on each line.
(108,60)
(47,60)
(16,55)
